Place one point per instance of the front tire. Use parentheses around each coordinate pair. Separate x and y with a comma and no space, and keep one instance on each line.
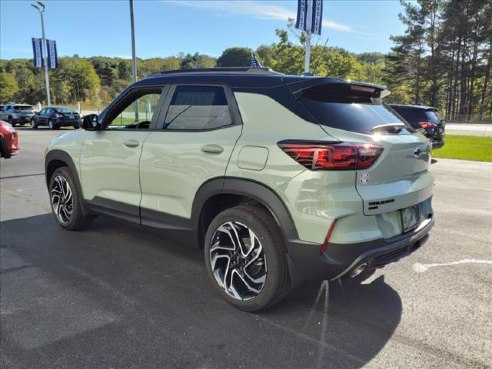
(34,124)
(11,121)
(66,202)
(245,258)
(51,125)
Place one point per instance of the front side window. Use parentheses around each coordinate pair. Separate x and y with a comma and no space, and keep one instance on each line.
(136,111)
(197,108)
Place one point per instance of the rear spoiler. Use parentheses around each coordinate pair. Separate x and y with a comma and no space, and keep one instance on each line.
(359,88)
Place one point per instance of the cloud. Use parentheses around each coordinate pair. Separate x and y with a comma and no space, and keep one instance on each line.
(260,10)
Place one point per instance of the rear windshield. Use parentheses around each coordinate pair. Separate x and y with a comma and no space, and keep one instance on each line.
(23,107)
(414,115)
(65,110)
(353,113)
(433,116)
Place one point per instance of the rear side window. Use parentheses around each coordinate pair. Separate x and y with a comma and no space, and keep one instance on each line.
(197,108)
(348,110)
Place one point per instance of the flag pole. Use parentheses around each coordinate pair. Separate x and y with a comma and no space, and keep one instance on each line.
(307,52)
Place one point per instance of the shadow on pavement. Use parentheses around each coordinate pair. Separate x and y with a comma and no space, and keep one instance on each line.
(117,295)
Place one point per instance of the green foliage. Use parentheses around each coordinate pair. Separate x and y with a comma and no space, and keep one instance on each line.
(8,86)
(197,61)
(76,80)
(444,58)
(235,57)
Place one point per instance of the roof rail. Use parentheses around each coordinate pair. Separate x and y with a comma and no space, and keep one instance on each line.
(249,70)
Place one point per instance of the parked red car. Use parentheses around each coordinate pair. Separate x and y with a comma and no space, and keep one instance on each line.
(9,140)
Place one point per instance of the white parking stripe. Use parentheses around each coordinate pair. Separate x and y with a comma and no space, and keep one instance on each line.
(420,268)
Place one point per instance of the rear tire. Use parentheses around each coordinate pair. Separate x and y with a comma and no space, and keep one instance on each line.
(66,202)
(51,125)
(245,258)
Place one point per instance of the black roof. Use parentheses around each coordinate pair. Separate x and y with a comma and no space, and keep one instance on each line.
(245,77)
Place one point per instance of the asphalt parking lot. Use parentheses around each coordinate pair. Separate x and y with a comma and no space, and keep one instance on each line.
(120,296)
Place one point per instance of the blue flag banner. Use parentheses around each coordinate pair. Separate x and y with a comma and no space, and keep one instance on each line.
(52,54)
(309,16)
(255,63)
(37,48)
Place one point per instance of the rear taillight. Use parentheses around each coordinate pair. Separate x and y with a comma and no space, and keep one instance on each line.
(332,155)
(427,125)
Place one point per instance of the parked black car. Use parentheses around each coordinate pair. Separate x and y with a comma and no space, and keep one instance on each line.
(426,119)
(55,117)
(17,114)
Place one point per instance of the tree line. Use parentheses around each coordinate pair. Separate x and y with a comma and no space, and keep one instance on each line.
(443,59)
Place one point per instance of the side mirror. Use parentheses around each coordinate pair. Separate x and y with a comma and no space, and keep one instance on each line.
(91,122)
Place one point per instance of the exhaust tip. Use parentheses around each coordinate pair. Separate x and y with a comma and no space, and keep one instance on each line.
(358,270)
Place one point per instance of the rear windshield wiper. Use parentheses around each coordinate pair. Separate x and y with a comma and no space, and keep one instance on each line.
(389,128)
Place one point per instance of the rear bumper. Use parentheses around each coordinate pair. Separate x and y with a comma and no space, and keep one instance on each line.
(438,143)
(67,123)
(22,119)
(340,260)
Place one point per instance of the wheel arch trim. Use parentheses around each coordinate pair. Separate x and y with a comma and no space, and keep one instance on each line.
(62,156)
(247,188)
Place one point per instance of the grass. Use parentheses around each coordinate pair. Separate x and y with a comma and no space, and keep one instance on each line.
(465,148)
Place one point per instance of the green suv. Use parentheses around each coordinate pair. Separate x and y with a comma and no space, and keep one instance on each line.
(277,178)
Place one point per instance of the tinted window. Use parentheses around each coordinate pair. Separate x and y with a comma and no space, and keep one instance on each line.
(65,110)
(23,107)
(197,107)
(351,112)
(433,116)
(411,114)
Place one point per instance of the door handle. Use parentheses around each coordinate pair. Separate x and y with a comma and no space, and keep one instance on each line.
(212,149)
(131,143)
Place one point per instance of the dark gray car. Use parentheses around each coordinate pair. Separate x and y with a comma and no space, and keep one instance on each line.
(426,119)
(17,114)
(55,117)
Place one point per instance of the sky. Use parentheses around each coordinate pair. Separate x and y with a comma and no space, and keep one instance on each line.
(167,27)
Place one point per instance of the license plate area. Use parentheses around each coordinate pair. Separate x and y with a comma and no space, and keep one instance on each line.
(409,218)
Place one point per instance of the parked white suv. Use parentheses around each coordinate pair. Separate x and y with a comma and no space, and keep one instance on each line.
(278,178)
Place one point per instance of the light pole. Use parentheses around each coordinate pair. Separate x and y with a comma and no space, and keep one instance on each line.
(40,7)
(134,58)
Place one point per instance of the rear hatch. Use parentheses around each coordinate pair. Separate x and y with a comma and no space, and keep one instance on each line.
(23,110)
(354,112)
